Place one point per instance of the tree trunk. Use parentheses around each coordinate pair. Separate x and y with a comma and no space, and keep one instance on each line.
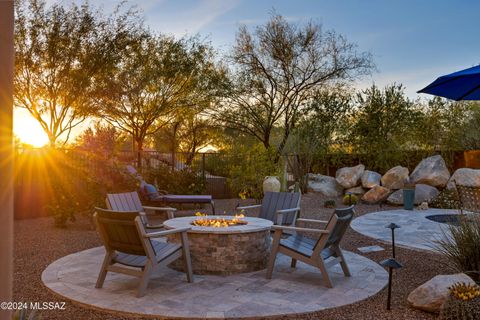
(139,153)
(282,144)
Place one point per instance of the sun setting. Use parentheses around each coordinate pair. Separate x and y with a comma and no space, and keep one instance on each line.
(28,130)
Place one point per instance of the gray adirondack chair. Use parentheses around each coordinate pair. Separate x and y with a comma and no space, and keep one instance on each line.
(281,208)
(130,250)
(321,253)
(130,201)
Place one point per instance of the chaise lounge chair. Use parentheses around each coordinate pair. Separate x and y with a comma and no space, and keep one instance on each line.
(281,208)
(130,249)
(321,253)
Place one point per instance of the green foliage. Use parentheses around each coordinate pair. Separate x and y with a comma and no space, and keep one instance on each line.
(462,303)
(22,314)
(78,181)
(248,169)
(461,249)
(184,181)
(350,199)
(384,126)
(329,204)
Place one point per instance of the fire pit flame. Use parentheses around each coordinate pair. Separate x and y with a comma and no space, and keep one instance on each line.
(218,222)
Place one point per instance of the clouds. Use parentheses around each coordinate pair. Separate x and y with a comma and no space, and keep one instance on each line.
(179,19)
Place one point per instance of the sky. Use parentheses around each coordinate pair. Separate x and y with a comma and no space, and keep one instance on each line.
(412,41)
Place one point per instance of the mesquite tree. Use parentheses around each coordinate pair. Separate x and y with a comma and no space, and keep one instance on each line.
(276,70)
(156,77)
(60,55)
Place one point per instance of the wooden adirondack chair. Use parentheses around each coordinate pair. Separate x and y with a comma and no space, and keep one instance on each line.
(128,244)
(281,208)
(321,253)
(130,201)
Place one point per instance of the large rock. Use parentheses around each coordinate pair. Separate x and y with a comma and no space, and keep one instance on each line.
(432,171)
(395,178)
(376,194)
(465,177)
(325,185)
(349,177)
(423,193)
(431,295)
(371,179)
(356,190)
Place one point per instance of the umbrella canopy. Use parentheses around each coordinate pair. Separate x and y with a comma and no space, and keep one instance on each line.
(460,85)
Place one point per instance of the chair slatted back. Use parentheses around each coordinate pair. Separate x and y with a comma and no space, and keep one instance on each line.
(337,225)
(119,231)
(469,197)
(128,201)
(273,201)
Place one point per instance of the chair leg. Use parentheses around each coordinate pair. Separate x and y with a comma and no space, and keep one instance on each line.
(293,264)
(273,254)
(213,207)
(323,270)
(186,257)
(103,272)
(343,262)
(147,271)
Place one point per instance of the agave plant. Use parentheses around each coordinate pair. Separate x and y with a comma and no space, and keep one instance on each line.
(23,315)
(461,246)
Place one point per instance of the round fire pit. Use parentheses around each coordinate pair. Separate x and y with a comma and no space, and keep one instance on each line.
(238,248)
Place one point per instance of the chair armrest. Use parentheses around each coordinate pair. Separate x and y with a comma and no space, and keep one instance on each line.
(249,207)
(154,226)
(279,214)
(159,208)
(312,220)
(166,232)
(297,229)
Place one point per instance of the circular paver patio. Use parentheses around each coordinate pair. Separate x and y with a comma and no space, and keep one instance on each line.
(291,291)
(416,231)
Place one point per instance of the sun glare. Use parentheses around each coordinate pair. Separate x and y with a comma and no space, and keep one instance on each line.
(28,130)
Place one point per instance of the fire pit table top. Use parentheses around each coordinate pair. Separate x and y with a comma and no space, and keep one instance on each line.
(251,225)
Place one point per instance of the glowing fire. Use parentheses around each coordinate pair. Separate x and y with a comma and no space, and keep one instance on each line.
(218,222)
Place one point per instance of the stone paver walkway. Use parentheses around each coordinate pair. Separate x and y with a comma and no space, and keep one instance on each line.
(291,291)
(416,231)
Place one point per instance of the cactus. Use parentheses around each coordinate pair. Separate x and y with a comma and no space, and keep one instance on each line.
(463,302)
(350,199)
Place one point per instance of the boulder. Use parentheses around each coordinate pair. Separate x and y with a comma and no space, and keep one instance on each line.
(376,194)
(432,171)
(395,178)
(370,179)
(356,190)
(325,185)
(349,177)
(466,177)
(431,295)
(423,193)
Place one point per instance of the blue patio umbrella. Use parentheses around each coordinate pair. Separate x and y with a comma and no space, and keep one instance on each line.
(460,85)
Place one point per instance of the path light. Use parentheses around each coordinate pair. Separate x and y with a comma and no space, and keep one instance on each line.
(392,226)
(390,264)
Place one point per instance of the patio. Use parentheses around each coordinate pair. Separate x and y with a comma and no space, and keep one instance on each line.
(245,295)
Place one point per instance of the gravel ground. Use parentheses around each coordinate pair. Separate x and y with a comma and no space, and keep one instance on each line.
(38,243)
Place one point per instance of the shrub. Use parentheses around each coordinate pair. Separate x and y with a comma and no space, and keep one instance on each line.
(329,204)
(183,181)
(461,247)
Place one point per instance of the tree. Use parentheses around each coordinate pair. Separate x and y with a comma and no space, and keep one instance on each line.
(59,55)
(156,77)
(384,124)
(277,69)
(99,140)
(323,127)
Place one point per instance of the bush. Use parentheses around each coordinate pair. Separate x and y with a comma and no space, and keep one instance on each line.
(350,199)
(184,181)
(329,204)
(461,248)
(447,199)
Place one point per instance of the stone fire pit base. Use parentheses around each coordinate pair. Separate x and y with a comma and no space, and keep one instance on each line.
(226,254)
